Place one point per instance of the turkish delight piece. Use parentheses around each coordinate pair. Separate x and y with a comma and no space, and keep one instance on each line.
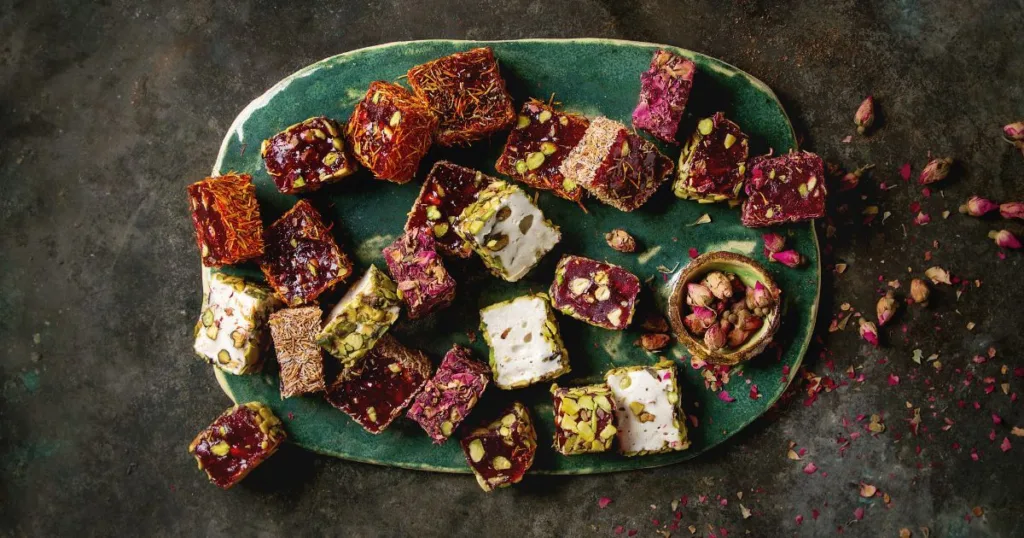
(537,145)
(300,359)
(501,453)
(307,156)
(237,442)
(467,94)
(391,376)
(664,90)
(787,188)
(360,318)
(231,332)
(647,413)
(620,168)
(584,419)
(389,131)
(447,191)
(226,217)
(507,231)
(450,395)
(301,259)
(526,347)
(601,294)
(713,162)
(423,283)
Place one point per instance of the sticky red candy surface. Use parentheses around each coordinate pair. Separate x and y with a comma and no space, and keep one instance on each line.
(538,144)
(598,293)
(787,188)
(451,394)
(301,259)
(423,283)
(501,453)
(448,189)
(631,173)
(307,156)
(226,217)
(664,91)
(234,444)
(389,131)
(466,92)
(713,163)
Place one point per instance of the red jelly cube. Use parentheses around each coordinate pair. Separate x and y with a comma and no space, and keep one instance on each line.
(301,259)
(307,156)
(453,392)
(390,131)
(448,189)
(227,219)
(466,92)
(597,293)
(713,162)
(787,188)
(237,442)
(538,144)
(423,282)
(501,453)
(391,376)
(620,168)
(664,90)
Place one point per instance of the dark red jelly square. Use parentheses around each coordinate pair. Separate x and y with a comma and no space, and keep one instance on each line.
(664,91)
(595,292)
(501,453)
(226,217)
(448,189)
(451,394)
(237,442)
(713,161)
(301,259)
(787,188)
(466,92)
(423,283)
(389,131)
(307,156)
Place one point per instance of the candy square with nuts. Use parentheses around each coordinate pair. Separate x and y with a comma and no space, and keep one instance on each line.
(424,285)
(664,91)
(448,190)
(584,419)
(237,442)
(226,217)
(787,188)
(360,318)
(300,359)
(526,347)
(389,131)
(647,412)
(713,162)
(231,332)
(307,156)
(501,453)
(449,397)
(598,293)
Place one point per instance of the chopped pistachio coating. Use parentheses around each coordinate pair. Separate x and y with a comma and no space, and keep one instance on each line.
(359,319)
(231,331)
(301,360)
(584,419)
(647,412)
(526,347)
(501,453)
(237,442)
(507,230)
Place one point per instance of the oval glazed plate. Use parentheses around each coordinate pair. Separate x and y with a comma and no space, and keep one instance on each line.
(588,76)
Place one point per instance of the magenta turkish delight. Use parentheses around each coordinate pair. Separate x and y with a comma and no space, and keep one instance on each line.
(713,162)
(450,395)
(664,90)
(787,188)
(600,294)
(423,283)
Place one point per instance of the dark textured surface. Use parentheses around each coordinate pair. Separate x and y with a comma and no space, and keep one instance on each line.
(108,111)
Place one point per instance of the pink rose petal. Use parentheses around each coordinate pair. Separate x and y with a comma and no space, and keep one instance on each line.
(810,468)
(1006,446)
(905,171)
(724,396)
(603,502)
(858,514)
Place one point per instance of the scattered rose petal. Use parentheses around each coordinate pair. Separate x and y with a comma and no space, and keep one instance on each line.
(603,502)
(799,519)
(1005,445)
(894,380)
(744,511)
(693,253)
(810,468)
(905,171)
(724,396)
(704,219)
(858,514)
(996,419)
(938,275)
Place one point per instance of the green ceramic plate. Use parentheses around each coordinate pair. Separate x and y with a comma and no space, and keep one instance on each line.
(589,76)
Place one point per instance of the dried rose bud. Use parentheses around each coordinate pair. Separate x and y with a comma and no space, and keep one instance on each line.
(919,291)
(936,170)
(698,295)
(751,323)
(1012,210)
(1005,239)
(885,308)
(716,337)
(977,206)
(758,297)
(773,243)
(654,323)
(719,285)
(865,115)
(653,341)
(938,275)
(1014,132)
(868,331)
(698,321)
(789,258)
(851,179)
(737,337)
(620,240)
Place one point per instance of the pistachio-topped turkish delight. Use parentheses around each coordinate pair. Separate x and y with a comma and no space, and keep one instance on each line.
(664,90)
(390,130)
(713,162)
(226,217)
(302,260)
(620,168)
(424,285)
(584,419)
(466,92)
(526,347)
(598,293)
(447,191)
(231,331)
(237,442)
(300,358)
(450,395)
(391,376)
(537,145)
(501,453)
(307,156)
(787,188)
(363,314)
(647,412)
(507,230)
